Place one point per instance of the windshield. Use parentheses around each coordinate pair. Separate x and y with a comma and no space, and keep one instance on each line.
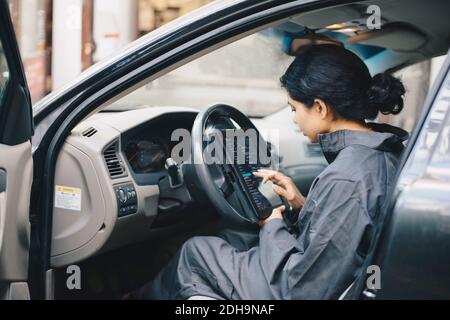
(244,74)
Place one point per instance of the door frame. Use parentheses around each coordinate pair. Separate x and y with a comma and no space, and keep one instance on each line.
(16,130)
(16,125)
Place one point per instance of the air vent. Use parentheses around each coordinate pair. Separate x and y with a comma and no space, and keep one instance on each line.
(89,132)
(113,162)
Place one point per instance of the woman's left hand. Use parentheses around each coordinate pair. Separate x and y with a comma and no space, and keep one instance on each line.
(277,213)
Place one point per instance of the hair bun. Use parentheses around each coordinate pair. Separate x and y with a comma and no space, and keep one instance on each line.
(386,94)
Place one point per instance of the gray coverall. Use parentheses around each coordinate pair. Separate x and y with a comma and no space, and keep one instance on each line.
(326,250)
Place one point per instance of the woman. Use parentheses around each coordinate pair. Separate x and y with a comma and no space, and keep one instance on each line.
(332,95)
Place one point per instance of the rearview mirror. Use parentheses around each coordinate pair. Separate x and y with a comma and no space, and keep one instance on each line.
(293,43)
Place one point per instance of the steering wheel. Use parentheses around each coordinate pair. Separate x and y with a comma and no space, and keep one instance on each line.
(216,179)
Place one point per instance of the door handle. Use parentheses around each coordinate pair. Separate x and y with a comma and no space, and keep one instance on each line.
(2,180)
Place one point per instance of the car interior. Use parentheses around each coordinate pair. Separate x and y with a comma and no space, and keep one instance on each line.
(117,214)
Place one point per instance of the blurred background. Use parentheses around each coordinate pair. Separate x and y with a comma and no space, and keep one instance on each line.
(58,39)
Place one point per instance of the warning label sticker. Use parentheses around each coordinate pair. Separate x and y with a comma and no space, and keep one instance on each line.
(68,198)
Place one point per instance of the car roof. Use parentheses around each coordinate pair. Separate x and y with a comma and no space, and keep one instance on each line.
(411,30)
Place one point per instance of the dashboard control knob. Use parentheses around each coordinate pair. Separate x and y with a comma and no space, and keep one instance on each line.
(122,196)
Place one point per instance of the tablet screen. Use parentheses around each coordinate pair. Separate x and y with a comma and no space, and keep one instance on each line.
(263,198)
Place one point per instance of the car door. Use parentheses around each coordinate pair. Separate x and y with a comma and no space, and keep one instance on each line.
(413,251)
(16,165)
(410,257)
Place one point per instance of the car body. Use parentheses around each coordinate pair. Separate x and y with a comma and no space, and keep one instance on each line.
(71,140)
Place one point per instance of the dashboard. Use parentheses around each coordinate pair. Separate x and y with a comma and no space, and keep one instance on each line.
(147,155)
(147,146)
(112,164)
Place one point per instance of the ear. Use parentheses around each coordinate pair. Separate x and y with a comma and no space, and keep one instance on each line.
(322,108)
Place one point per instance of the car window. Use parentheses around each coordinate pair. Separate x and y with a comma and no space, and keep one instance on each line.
(4,74)
(417,79)
(244,74)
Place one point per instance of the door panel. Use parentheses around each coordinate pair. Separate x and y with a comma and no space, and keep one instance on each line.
(16,169)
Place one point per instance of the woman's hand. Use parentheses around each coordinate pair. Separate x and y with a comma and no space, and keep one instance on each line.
(277,213)
(283,186)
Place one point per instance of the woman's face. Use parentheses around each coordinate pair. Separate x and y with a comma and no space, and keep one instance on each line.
(310,120)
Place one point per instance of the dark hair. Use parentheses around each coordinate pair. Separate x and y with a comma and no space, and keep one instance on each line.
(342,80)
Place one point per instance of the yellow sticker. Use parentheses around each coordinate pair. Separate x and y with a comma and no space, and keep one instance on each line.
(67,198)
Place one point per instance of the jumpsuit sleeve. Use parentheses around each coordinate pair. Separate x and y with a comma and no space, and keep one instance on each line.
(322,262)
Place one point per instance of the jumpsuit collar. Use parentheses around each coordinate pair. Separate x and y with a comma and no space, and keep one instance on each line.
(384,137)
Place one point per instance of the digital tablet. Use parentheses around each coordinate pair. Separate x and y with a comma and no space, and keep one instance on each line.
(262,197)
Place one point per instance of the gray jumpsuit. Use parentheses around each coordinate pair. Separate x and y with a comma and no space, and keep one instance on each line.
(318,258)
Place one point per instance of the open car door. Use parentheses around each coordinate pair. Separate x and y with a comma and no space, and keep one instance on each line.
(16,165)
